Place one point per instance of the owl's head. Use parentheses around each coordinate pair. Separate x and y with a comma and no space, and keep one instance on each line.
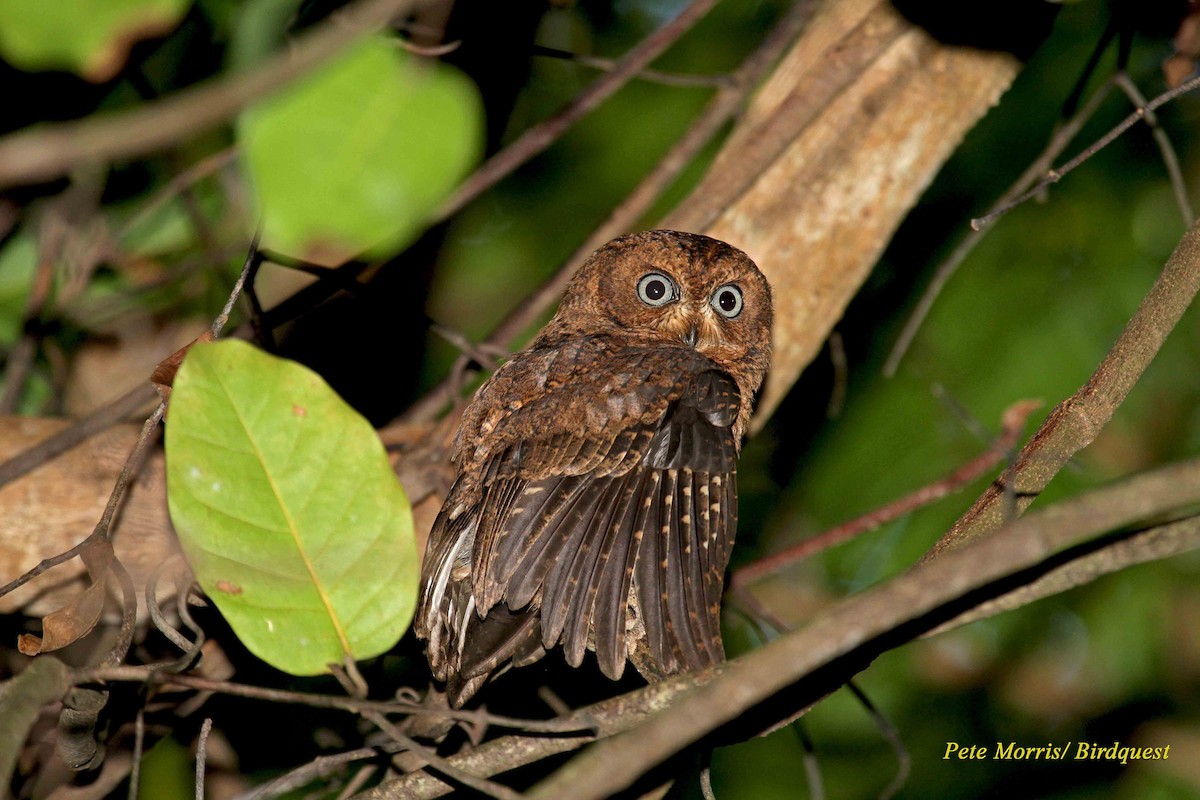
(680,288)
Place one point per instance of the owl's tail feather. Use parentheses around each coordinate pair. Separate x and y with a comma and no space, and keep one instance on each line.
(501,636)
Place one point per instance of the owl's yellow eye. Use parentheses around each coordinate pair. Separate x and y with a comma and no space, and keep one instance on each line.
(656,289)
(727,301)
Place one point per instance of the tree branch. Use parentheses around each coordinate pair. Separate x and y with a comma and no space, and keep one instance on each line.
(541,136)
(1076,422)
(814,660)
(1011,427)
(869,623)
(47,151)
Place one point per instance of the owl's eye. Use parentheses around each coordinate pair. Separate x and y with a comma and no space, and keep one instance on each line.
(727,301)
(656,289)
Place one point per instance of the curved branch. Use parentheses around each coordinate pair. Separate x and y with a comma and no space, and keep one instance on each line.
(47,151)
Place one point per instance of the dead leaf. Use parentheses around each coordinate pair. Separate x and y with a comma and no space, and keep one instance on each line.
(163,376)
(77,618)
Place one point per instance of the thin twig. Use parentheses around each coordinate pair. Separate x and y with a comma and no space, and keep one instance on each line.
(357,782)
(650,75)
(725,105)
(150,675)
(139,742)
(249,266)
(892,737)
(20,358)
(488,358)
(104,526)
(1056,174)
(189,647)
(50,150)
(482,785)
(1165,148)
(319,767)
(1013,423)
(120,648)
(202,756)
(812,767)
(841,375)
(1059,139)
(544,134)
(185,179)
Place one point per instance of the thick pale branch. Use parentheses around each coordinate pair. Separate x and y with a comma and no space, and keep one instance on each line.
(836,148)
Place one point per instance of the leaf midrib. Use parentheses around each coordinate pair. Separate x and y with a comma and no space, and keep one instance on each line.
(291,524)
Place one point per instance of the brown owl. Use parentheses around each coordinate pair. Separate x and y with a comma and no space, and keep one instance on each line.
(596,501)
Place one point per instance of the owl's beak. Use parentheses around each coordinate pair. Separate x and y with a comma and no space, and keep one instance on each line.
(691,335)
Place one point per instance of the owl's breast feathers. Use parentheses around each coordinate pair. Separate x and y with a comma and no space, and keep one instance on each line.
(595,507)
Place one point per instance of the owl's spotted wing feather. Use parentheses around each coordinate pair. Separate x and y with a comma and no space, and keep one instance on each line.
(618,502)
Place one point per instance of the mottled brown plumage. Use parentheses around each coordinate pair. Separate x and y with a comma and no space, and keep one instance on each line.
(595,504)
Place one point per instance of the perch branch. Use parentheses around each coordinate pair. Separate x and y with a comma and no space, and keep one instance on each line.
(201,756)
(874,620)
(442,765)
(678,710)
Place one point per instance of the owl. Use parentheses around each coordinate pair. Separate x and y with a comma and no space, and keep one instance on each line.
(595,503)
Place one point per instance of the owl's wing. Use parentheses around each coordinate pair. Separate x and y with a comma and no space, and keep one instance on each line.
(581,532)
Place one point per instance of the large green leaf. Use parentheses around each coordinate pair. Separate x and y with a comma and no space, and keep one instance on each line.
(355,157)
(287,510)
(91,37)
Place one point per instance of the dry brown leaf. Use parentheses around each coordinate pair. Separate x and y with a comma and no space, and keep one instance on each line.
(163,376)
(77,618)
(56,506)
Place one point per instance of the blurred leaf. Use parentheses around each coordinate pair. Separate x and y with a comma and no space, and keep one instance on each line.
(168,771)
(288,510)
(85,36)
(358,155)
(261,27)
(18,259)
(22,701)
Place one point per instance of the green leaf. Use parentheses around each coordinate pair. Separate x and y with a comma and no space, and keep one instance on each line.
(85,36)
(355,157)
(18,261)
(288,510)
